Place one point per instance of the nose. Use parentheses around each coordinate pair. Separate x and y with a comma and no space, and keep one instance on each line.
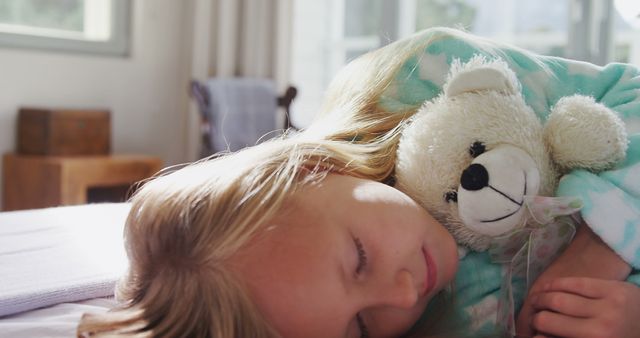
(475,177)
(402,293)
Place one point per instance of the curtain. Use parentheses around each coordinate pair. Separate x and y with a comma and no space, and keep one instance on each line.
(238,38)
(252,38)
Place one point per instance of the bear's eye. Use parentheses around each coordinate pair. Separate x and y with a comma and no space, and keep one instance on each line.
(476,149)
(451,196)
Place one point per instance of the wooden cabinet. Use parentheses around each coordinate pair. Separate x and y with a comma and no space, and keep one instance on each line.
(45,181)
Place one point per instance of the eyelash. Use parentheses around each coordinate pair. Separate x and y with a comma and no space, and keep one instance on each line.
(362,256)
(364,332)
(362,263)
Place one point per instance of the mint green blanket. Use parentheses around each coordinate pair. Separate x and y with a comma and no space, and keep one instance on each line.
(611,198)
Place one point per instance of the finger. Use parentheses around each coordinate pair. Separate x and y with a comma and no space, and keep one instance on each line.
(583,286)
(557,324)
(566,303)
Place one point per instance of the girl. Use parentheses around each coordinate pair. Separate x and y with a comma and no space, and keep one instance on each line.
(297,237)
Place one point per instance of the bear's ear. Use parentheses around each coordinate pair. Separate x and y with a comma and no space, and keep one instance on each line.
(477,79)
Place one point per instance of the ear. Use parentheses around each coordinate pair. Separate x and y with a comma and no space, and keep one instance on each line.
(585,134)
(484,78)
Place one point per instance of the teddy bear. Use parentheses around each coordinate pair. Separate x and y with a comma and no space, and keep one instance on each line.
(485,165)
(478,158)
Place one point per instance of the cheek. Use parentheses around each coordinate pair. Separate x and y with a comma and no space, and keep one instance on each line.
(405,224)
(395,237)
(395,322)
(443,248)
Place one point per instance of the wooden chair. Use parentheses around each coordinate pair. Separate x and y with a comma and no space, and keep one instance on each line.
(201,95)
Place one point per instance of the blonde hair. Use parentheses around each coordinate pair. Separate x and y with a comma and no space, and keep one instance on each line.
(183,227)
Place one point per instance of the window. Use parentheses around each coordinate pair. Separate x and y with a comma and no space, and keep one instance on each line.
(540,26)
(626,32)
(330,33)
(87,26)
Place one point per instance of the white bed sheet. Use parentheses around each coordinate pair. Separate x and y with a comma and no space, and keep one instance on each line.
(58,321)
(54,263)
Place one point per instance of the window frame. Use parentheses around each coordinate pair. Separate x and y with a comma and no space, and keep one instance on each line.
(589,36)
(117,45)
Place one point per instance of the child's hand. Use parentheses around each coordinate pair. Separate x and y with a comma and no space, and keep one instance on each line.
(586,256)
(587,307)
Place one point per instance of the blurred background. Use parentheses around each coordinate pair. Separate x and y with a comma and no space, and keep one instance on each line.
(138,59)
(597,31)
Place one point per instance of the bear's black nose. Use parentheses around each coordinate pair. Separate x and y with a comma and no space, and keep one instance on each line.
(475,177)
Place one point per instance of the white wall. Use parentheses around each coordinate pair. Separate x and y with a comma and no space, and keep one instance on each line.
(313,45)
(146,91)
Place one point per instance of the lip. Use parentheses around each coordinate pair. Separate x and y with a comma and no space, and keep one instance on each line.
(431,273)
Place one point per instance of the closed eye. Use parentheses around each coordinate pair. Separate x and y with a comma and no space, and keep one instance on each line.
(362,256)
(362,264)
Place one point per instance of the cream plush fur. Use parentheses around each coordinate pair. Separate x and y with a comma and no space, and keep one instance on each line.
(471,155)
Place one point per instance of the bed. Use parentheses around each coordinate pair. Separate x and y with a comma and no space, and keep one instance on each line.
(56,264)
